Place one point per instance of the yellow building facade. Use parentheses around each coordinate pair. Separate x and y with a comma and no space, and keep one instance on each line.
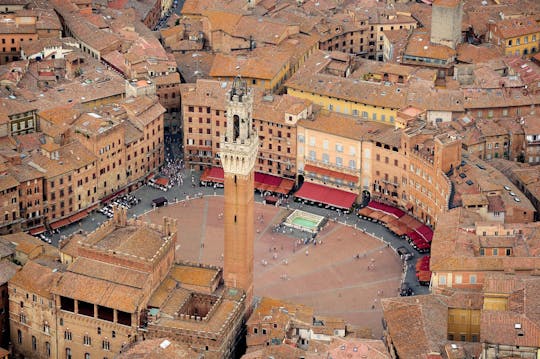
(516,36)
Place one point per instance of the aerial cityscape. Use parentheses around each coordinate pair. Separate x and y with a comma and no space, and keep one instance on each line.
(265,179)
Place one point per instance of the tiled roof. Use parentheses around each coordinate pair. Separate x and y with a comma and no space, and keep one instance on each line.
(139,243)
(469,53)
(351,127)
(446,3)
(143,110)
(109,272)
(23,172)
(158,349)
(309,78)
(417,325)
(500,327)
(161,294)
(274,111)
(495,204)
(7,248)
(36,278)
(199,276)
(226,310)
(455,233)
(221,20)
(99,291)
(531,125)
(510,28)
(259,64)
(71,157)
(8,181)
(269,306)
(132,133)
(419,45)
(345,348)
(263,29)
(7,270)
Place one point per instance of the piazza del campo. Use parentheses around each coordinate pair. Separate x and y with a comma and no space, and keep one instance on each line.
(265,179)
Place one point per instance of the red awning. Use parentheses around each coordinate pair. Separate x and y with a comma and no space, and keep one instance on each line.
(334,174)
(78,216)
(262,181)
(424,276)
(162,181)
(396,212)
(331,196)
(111,196)
(60,223)
(216,174)
(423,263)
(425,232)
(37,230)
(285,186)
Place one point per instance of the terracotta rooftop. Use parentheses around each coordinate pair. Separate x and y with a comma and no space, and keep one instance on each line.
(109,272)
(7,270)
(24,172)
(268,306)
(136,242)
(531,125)
(345,348)
(457,233)
(158,349)
(259,64)
(228,308)
(199,276)
(36,278)
(71,157)
(99,291)
(310,79)
(515,27)
(143,110)
(417,324)
(500,327)
(469,53)
(446,3)
(352,127)
(419,45)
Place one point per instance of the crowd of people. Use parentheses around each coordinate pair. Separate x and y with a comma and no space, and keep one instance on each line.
(172,170)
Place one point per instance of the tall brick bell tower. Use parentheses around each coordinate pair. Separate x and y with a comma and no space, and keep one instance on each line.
(239,149)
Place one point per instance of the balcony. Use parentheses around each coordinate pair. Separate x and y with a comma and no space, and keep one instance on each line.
(396,185)
(333,167)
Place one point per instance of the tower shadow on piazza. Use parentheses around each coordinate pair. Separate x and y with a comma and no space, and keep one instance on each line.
(271,279)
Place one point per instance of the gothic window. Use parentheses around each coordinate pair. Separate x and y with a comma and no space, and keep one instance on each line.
(236,128)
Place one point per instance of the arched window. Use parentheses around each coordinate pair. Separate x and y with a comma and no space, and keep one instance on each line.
(236,127)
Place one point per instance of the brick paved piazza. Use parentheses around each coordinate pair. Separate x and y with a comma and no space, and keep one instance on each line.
(329,278)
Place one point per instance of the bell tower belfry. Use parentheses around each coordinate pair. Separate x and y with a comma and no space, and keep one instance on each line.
(239,149)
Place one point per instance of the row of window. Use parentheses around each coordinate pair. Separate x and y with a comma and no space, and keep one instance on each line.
(495,251)
(326,160)
(459,279)
(525,40)
(13,40)
(16,126)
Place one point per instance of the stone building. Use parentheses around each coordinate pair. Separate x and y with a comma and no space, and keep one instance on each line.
(446,21)
(32,314)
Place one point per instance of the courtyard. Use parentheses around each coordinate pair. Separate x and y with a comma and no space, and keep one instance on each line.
(343,273)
